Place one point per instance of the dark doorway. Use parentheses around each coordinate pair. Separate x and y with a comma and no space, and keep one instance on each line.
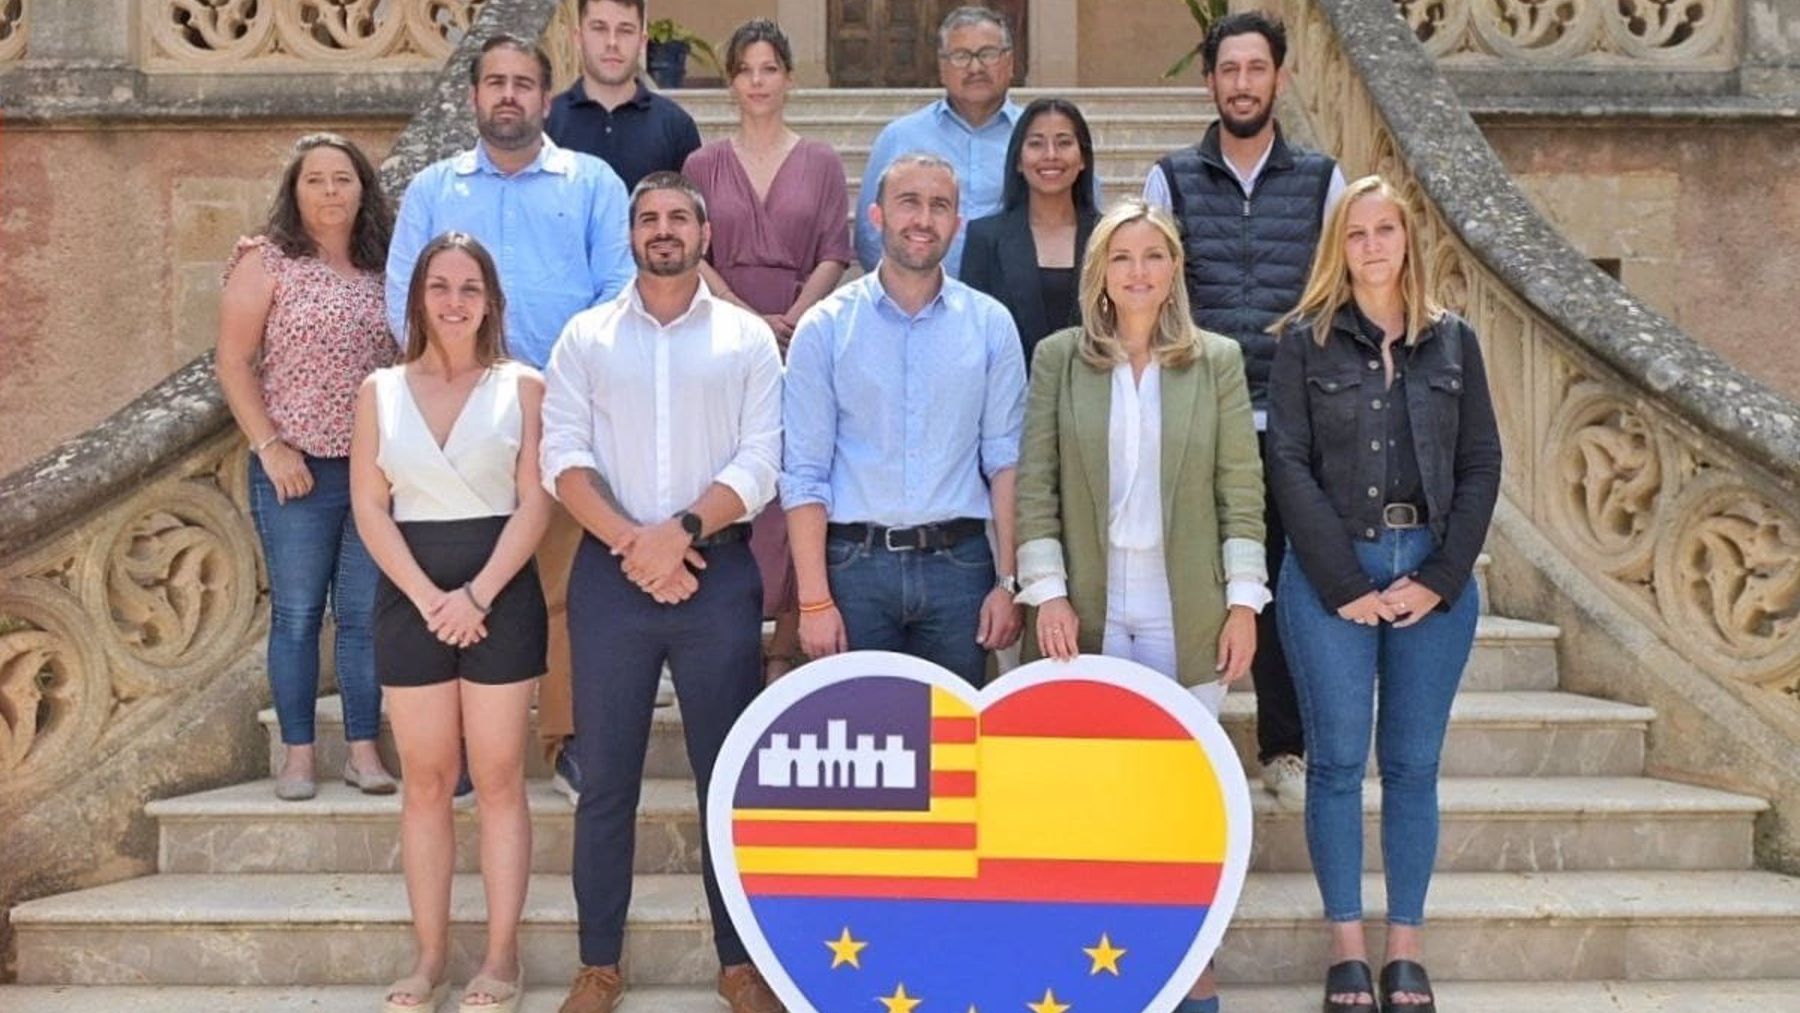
(893,43)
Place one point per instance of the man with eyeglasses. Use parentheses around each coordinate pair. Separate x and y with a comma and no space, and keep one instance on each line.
(969,127)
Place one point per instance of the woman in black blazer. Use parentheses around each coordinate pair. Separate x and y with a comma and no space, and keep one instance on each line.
(1028,254)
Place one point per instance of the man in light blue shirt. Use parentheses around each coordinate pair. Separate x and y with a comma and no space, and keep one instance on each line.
(969,127)
(903,409)
(554,219)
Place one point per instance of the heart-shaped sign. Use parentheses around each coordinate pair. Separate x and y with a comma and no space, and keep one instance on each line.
(1071,838)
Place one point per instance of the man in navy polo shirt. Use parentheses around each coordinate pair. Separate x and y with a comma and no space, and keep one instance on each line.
(608,112)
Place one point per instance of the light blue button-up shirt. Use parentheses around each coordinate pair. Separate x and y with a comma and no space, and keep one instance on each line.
(557,230)
(977,153)
(899,420)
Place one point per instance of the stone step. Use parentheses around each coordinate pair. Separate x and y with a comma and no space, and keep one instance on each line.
(1769,996)
(1489,825)
(354,929)
(1510,654)
(1515,734)
(1167,130)
(879,105)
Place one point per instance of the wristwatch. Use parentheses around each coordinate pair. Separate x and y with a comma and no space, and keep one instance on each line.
(1008,583)
(692,524)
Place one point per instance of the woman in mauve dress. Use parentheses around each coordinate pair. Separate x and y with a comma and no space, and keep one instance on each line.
(780,242)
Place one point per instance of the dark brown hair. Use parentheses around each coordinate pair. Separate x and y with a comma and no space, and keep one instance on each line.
(374,225)
(749,34)
(505,40)
(581,7)
(490,337)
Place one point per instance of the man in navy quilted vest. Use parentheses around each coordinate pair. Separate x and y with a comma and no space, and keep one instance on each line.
(1250,206)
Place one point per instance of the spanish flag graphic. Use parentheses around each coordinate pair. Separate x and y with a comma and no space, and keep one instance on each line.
(902,851)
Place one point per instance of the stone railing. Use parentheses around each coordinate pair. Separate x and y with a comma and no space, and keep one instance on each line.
(1649,472)
(15,27)
(1599,33)
(317,35)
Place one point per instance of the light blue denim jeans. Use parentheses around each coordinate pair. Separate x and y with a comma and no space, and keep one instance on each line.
(315,556)
(1407,708)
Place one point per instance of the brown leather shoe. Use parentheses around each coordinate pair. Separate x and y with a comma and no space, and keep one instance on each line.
(596,990)
(744,990)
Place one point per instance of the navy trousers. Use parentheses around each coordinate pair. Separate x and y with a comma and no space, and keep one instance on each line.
(619,640)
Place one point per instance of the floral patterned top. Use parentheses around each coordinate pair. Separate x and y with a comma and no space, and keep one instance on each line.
(323,335)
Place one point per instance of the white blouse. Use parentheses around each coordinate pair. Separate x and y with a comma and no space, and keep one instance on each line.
(1134,446)
(474,474)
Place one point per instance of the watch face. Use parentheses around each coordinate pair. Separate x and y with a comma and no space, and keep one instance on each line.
(691,524)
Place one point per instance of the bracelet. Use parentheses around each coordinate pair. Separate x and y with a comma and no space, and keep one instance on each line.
(259,447)
(818,606)
(479,607)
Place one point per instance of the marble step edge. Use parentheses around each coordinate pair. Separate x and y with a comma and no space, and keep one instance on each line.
(672,798)
(1270,900)
(1730,996)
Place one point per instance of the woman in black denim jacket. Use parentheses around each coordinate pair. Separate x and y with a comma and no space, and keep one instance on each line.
(1385,465)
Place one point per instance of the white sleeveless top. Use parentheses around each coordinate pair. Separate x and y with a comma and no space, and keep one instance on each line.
(474,473)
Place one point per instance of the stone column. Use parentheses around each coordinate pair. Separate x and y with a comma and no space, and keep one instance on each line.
(1055,46)
(1771,61)
(808,28)
(81,50)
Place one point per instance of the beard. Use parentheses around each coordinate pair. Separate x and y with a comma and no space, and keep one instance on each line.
(522,132)
(667,263)
(1244,128)
(900,252)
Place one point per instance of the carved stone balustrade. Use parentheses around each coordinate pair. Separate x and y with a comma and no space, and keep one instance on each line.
(1560,32)
(315,35)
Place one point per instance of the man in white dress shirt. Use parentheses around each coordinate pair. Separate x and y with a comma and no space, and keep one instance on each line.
(662,437)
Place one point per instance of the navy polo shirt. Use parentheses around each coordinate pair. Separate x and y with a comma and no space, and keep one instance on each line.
(647,134)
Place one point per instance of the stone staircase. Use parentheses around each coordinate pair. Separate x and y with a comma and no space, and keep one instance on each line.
(1567,879)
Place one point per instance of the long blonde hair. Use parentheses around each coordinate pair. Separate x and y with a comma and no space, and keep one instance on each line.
(1176,342)
(1328,286)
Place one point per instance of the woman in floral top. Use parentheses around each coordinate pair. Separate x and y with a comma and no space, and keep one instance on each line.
(301,323)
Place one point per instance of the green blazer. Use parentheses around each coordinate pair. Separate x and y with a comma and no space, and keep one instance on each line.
(1212,487)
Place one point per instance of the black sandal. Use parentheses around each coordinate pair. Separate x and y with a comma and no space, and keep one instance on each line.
(1349,978)
(1406,976)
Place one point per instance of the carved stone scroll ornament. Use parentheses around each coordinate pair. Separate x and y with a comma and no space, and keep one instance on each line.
(1728,575)
(54,695)
(14,23)
(405,33)
(1606,465)
(1545,32)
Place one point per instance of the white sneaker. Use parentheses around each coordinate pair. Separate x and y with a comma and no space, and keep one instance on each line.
(1284,777)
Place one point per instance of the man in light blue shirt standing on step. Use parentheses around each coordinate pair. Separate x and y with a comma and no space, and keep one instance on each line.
(903,409)
(969,127)
(554,219)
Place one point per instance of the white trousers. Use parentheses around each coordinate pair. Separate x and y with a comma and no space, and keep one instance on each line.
(1140,617)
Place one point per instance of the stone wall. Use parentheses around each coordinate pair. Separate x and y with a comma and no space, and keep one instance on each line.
(1702,214)
(112,272)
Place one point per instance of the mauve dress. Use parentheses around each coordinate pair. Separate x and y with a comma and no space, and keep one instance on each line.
(765,250)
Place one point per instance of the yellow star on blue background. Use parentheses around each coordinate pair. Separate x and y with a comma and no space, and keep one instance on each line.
(845,950)
(1048,1004)
(1105,956)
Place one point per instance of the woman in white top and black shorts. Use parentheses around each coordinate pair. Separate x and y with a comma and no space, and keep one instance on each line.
(444,482)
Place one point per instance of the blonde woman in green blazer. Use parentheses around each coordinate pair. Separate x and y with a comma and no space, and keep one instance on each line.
(1140,490)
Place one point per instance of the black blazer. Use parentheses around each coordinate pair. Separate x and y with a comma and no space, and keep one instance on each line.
(1000,259)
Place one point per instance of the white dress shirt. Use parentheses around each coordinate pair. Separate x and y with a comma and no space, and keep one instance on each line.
(662,412)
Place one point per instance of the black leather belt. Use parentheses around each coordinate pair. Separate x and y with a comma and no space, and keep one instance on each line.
(724,536)
(1402,516)
(918,538)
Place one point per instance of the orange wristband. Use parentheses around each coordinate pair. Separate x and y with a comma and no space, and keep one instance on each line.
(818,606)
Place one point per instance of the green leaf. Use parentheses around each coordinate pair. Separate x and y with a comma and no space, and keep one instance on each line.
(1182,64)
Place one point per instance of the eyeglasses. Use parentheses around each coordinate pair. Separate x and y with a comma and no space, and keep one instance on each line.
(987,56)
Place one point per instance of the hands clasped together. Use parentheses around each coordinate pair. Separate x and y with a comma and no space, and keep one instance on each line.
(1406,601)
(454,617)
(662,561)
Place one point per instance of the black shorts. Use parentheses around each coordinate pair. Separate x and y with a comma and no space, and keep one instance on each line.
(451,553)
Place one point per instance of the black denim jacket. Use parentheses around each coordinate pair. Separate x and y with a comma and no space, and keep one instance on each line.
(1326,467)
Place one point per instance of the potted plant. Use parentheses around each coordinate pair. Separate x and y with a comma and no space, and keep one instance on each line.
(669,44)
(1204,12)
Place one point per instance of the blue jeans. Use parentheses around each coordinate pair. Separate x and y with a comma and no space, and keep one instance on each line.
(314,555)
(1335,662)
(926,604)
